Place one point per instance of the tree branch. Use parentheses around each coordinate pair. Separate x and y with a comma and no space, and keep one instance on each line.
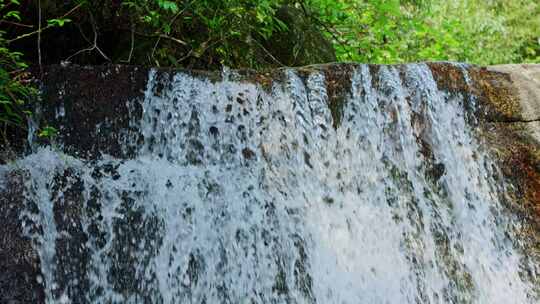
(42,29)
(39,39)
(94,46)
(268,53)
(132,43)
(329,30)
(16,23)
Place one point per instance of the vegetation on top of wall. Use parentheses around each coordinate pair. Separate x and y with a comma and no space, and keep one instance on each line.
(209,34)
(16,89)
(393,31)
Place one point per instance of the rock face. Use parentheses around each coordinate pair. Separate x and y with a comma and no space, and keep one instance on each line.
(292,169)
(508,102)
(19,262)
(91,106)
(516,136)
(526,79)
(516,139)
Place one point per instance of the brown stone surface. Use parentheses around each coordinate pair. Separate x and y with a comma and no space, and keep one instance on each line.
(514,90)
(509,96)
(79,99)
(19,262)
(526,79)
(507,103)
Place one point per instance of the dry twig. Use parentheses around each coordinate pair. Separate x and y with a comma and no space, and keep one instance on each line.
(94,45)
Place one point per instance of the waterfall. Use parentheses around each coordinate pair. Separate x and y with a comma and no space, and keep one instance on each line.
(244,194)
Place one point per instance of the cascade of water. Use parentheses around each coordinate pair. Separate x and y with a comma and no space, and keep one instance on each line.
(241,195)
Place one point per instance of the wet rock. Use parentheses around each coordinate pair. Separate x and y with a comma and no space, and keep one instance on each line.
(248,153)
(91,107)
(72,252)
(511,92)
(19,262)
(437,171)
(94,109)
(526,79)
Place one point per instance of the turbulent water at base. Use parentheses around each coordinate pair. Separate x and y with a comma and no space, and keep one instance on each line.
(244,195)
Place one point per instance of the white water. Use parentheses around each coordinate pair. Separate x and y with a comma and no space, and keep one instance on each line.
(243,196)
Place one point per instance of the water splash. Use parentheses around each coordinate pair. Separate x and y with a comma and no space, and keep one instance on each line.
(241,195)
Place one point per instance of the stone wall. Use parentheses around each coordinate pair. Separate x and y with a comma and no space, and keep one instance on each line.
(91,107)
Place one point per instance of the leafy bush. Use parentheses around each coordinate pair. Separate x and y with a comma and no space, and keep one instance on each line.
(393,31)
(16,89)
(488,32)
(223,32)
(14,92)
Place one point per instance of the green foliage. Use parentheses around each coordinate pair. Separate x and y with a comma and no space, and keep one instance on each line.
(13,90)
(47,132)
(222,31)
(485,32)
(365,31)
(58,22)
(16,91)
(393,31)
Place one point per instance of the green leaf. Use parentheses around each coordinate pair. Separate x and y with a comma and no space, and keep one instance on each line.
(13,14)
(167,29)
(282,26)
(58,22)
(48,132)
(168,6)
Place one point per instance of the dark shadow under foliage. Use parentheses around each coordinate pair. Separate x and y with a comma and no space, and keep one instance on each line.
(192,34)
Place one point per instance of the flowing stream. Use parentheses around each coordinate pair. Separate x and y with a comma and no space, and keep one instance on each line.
(240,194)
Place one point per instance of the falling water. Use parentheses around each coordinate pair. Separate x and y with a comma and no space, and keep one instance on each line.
(240,194)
